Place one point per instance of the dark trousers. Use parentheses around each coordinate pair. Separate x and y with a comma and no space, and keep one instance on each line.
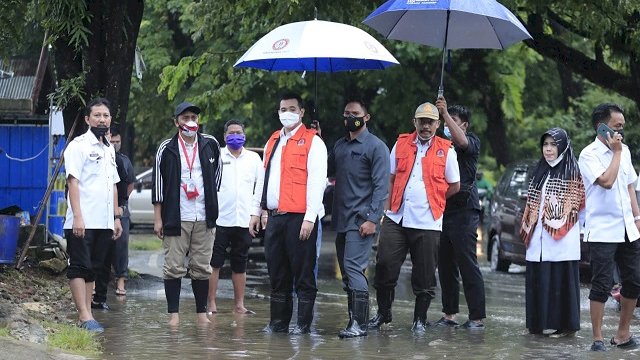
(87,255)
(238,239)
(288,257)
(118,256)
(394,243)
(353,258)
(603,257)
(458,258)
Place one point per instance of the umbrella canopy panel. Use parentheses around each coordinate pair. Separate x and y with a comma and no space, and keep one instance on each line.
(473,24)
(317,46)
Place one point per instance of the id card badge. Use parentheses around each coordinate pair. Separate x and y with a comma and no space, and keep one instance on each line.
(191,186)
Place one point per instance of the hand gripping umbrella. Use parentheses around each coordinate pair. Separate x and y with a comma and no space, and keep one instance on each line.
(448,24)
(316,45)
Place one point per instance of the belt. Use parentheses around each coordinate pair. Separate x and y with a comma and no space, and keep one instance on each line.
(275,212)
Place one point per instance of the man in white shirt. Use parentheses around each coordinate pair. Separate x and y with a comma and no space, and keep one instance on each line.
(424,173)
(288,206)
(612,223)
(91,222)
(242,171)
(186,178)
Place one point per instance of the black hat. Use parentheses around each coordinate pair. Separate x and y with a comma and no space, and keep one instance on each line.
(186,106)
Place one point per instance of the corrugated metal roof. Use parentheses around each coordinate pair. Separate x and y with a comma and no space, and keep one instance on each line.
(18,87)
(20,67)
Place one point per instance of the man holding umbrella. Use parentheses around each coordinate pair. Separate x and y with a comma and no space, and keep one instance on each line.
(458,240)
(361,164)
(288,205)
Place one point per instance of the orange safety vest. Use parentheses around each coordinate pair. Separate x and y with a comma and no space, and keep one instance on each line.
(433,166)
(293,169)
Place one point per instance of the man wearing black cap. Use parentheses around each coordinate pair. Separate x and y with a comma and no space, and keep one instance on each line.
(186,178)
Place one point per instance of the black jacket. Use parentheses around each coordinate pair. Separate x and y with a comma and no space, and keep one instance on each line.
(166,181)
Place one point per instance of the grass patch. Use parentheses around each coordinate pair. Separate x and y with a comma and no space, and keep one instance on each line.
(72,338)
(133,274)
(146,243)
(4,332)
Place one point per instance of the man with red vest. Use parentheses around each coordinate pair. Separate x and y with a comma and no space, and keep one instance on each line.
(424,173)
(288,205)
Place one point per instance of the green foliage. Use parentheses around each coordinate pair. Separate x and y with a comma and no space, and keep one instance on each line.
(67,18)
(72,338)
(5,332)
(150,242)
(68,89)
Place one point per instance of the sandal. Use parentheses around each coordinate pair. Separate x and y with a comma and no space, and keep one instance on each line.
(121,292)
(630,343)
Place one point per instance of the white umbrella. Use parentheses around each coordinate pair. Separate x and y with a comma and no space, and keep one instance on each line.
(317,45)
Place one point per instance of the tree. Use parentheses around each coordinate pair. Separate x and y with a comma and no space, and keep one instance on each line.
(93,49)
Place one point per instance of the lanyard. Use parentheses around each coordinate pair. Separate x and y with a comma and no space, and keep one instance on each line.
(186,155)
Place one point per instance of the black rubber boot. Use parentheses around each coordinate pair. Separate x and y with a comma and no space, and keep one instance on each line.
(420,315)
(305,317)
(281,309)
(383,316)
(357,316)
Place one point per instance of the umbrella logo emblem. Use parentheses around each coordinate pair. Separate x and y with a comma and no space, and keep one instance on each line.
(371,47)
(280,44)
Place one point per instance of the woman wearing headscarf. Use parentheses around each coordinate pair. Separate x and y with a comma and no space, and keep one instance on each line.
(551,231)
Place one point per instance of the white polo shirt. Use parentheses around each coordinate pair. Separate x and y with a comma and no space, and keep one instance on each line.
(415,211)
(191,209)
(237,187)
(316,178)
(94,165)
(608,212)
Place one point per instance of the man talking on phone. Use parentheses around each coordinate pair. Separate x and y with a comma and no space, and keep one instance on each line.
(612,223)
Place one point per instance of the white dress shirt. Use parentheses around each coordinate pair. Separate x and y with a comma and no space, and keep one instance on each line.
(608,211)
(543,247)
(94,165)
(194,209)
(316,178)
(415,211)
(237,187)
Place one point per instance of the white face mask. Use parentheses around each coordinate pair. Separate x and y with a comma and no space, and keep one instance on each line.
(189,129)
(288,119)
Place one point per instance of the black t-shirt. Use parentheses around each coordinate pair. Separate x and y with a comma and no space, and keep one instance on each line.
(467,198)
(125,172)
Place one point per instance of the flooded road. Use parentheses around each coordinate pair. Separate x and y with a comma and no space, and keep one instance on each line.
(136,326)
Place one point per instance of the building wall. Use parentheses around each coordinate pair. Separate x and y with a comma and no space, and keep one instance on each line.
(23,183)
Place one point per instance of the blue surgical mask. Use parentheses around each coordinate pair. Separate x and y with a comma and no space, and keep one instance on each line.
(235,141)
(447,132)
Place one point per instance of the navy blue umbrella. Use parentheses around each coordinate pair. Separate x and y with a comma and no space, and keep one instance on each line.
(448,24)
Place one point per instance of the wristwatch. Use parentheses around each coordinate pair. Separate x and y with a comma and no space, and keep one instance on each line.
(117,217)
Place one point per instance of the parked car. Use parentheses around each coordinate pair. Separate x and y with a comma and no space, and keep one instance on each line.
(504,245)
(140,205)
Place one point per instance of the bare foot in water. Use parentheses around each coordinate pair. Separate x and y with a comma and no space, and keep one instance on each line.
(174,319)
(202,319)
(241,310)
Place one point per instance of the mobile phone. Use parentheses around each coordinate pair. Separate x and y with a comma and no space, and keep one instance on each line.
(603,130)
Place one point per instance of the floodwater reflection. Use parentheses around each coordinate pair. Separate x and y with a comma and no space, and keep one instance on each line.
(136,327)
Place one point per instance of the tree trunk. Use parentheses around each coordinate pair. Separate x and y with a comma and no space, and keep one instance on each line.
(490,101)
(107,60)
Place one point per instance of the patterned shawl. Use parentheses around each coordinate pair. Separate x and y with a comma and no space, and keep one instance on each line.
(563,193)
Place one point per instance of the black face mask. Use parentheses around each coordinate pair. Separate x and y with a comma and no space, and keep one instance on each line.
(621,132)
(100,132)
(353,123)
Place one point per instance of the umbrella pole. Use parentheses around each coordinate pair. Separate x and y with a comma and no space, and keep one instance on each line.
(315,84)
(444,51)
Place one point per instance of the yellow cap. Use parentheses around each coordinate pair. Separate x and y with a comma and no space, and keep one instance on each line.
(427,110)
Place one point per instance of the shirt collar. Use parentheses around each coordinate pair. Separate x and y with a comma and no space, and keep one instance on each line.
(291,133)
(427,144)
(361,137)
(226,151)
